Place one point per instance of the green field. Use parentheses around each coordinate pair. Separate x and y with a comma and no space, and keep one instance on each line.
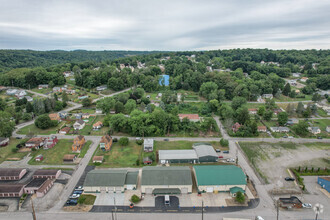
(6,152)
(54,156)
(32,129)
(42,91)
(283,98)
(85,199)
(127,156)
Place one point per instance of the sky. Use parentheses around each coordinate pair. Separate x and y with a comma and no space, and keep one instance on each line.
(169,25)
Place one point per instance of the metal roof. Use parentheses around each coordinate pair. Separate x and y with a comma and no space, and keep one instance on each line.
(219,175)
(36,182)
(205,150)
(166,176)
(12,188)
(105,178)
(43,172)
(131,178)
(11,171)
(177,154)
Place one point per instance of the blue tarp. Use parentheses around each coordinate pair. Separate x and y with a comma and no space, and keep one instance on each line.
(164,80)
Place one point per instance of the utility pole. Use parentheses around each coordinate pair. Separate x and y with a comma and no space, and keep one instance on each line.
(202,210)
(277,208)
(33,212)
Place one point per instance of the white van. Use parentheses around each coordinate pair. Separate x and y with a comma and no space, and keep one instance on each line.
(167,200)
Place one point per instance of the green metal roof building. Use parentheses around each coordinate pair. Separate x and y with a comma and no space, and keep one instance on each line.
(166,180)
(110,180)
(219,178)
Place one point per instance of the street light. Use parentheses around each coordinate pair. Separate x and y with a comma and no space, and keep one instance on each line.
(318,209)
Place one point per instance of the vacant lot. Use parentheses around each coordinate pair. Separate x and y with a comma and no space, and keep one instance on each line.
(32,129)
(272,159)
(6,152)
(127,156)
(54,156)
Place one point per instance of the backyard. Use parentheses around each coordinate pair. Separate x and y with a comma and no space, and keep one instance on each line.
(32,129)
(54,156)
(6,153)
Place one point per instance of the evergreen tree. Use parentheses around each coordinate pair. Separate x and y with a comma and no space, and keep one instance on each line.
(287,89)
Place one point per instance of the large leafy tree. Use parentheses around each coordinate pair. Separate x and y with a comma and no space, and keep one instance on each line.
(6,125)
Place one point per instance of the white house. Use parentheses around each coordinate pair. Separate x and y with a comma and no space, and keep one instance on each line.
(148,145)
(43,86)
(268,96)
(11,91)
(98,111)
(328,129)
(279,129)
(303,79)
(296,74)
(101,88)
(29,98)
(78,125)
(314,130)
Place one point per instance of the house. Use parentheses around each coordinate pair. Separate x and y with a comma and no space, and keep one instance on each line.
(253,111)
(292,121)
(292,202)
(209,69)
(82,97)
(205,152)
(78,115)
(328,129)
(39,158)
(115,181)
(220,178)
(98,159)
(57,89)
(11,91)
(54,117)
(262,129)
(78,143)
(267,96)
(43,86)
(70,91)
(297,75)
(79,124)
(12,173)
(98,111)
(65,130)
(166,180)
(314,130)
(235,127)
(63,114)
(279,129)
(98,125)
(147,161)
(148,145)
(4,141)
(164,80)
(101,88)
(324,182)
(69,158)
(35,142)
(50,142)
(162,68)
(11,190)
(20,94)
(293,82)
(86,115)
(106,143)
(190,117)
(29,98)
(68,73)
(277,111)
(49,174)
(304,79)
(177,156)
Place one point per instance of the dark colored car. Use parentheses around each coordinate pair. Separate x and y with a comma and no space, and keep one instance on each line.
(217,150)
(289,179)
(77,192)
(18,137)
(319,138)
(72,202)
(225,151)
(166,139)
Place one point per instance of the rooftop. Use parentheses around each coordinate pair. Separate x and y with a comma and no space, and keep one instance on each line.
(189,116)
(177,154)
(10,171)
(45,172)
(204,150)
(219,175)
(36,182)
(12,188)
(131,177)
(105,178)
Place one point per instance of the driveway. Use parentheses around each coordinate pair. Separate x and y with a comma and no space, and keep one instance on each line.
(104,198)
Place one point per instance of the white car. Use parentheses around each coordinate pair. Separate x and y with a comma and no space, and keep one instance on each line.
(307,205)
(231,160)
(75,196)
(290,137)
(259,218)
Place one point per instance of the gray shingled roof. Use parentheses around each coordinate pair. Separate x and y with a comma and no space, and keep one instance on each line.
(177,154)
(205,150)
(166,176)
(105,178)
(10,171)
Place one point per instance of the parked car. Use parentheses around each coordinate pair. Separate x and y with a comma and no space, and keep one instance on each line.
(72,202)
(289,179)
(18,137)
(307,205)
(79,188)
(319,137)
(285,137)
(77,192)
(259,218)
(166,139)
(217,150)
(220,156)
(290,137)
(231,160)
(75,196)
(225,151)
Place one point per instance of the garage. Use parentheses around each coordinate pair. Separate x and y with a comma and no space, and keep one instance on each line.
(166,180)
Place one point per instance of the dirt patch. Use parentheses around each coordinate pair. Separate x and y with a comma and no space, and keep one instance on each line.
(13,159)
(3,208)
(252,189)
(232,202)
(24,149)
(78,208)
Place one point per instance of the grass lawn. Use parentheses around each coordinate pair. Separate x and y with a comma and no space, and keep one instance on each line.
(85,199)
(42,91)
(278,135)
(283,98)
(6,152)
(54,156)
(88,129)
(33,129)
(321,112)
(87,110)
(107,92)
(322,146)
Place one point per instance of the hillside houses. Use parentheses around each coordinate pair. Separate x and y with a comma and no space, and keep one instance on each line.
(79,124)
(78,143)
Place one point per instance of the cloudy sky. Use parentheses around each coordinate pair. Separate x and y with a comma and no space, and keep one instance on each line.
(164,25)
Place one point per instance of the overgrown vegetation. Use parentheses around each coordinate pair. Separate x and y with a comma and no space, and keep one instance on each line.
(86,199)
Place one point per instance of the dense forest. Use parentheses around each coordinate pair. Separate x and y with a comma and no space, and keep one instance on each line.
(10,59)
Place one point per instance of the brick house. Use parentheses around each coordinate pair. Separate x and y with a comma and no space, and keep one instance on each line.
(106,143)
(78,143)
(65,130)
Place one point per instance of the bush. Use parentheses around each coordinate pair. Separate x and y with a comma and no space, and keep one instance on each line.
(240,197)
(135,199)
(115,140)
(123,141)
(14,150)
(224,142)
(139,142)
(137,162)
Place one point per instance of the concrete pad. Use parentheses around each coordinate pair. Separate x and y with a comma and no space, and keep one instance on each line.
(209,199)
(109,198)
(248,193)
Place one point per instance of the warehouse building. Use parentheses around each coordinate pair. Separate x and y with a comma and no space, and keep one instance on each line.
(11,190)
(39,186)
(220,178)
(205,152)
(166,180)
(12,173)
(177,156)
(110,181)
(48,174)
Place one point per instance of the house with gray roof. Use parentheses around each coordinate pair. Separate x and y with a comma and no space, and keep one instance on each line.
(205,152)
(110,181)
(314,130)
(166,180)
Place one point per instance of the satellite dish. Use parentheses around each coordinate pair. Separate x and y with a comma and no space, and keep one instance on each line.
(318,208)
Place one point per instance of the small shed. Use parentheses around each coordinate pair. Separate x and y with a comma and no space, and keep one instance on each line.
(234,190)
(69,158)
(39,158)
(148,145)
(98,159)
(147,161)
